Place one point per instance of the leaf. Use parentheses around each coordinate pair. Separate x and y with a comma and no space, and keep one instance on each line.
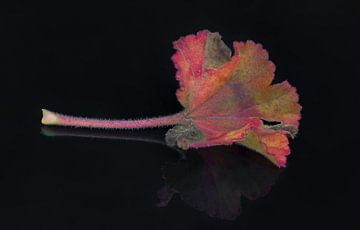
(227,98)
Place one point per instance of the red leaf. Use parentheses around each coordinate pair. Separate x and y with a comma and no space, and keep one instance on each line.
(226,98)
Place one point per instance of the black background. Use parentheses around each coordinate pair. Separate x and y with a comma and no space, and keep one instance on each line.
(107,60)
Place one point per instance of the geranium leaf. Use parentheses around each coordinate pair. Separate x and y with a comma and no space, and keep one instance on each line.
(226,98)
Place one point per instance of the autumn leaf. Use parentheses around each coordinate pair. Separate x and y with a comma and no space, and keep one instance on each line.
(226,99)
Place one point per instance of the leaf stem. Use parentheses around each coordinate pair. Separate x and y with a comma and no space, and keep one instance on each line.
(52,118)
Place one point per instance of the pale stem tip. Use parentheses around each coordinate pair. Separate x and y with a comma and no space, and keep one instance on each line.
(48,117)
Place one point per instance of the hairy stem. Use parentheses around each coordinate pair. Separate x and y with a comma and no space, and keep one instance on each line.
(52,118)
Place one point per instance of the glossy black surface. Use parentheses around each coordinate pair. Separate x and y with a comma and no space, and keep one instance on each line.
(113,61)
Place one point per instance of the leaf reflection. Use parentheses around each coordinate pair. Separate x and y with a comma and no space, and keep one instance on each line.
(212,180)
